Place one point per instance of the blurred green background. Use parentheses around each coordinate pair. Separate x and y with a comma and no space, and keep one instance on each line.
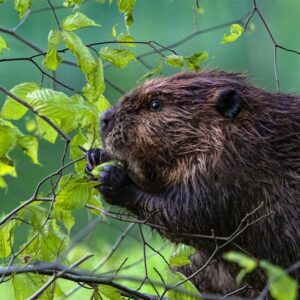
(163,21)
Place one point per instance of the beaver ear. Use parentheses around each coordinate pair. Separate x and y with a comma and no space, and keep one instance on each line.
(229,103)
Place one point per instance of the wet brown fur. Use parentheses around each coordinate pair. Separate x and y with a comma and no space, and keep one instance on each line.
(199,171)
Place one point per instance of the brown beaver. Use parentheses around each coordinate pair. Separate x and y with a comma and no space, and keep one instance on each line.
(199,152)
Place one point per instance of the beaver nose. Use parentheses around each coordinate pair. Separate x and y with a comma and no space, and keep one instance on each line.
(106,119)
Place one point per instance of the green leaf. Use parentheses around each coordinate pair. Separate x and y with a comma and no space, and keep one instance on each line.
(282,286)
(55,37)
(85,59)
(25,285)
(192,62)
(22,6)
(110,292)
(78,140)
(186,291)
(49,241)
(29,145)
(175,60)
(95,86)
(45,131)
(3,44)
(9,135)
(12,109)
(77,21)
(103,104)
(74,193)
(236,31)
(114,31)
(70,3)
(118,57)
(126,40)
(181,256)
(6,168)
(154,72)
(246,263)
(72,112)
(52,60)
(126,7)
(6,238)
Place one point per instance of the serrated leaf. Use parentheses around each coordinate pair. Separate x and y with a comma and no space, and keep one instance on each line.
(72,112)
(118,57)
(282,286)
(186,291)
(236,30)
(45,131)
(48,243)
(175,60)
(3,44)
(52,60)
(29,145)
(85,59)
(74,193)
(6,239)
(181,256)
(126,40)
(95,85)
(77,21)
(70,3)
(246,263)
(22,6)
(12,109)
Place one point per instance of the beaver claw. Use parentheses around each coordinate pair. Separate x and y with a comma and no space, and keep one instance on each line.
(94,158)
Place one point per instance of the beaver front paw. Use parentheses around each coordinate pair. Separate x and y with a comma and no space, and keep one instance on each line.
(94,158)
(115,185)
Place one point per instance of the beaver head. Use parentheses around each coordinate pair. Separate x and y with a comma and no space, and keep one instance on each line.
(171,126)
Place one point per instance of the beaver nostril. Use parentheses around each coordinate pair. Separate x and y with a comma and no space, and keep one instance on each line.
(106,118)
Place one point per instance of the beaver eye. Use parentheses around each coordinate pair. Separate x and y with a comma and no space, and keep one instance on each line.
(155,105)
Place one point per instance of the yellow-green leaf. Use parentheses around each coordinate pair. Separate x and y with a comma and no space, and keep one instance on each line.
(181,256)
(3,44)
(22,6)
(126,40)
(45,131)
(29,145)
(114,31)
(77,21)
(118,57)
(54,38)
(236,31)
(175,60)
(246,263)
(52,60)
(70,3)
(186,291)
(282,286)
(193,62)
(6,239)
(85,59)
(11,108)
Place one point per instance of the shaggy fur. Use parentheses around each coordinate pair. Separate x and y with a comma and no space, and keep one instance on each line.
(201,164)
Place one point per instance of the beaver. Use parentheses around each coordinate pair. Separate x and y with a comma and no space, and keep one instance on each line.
(210,161)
